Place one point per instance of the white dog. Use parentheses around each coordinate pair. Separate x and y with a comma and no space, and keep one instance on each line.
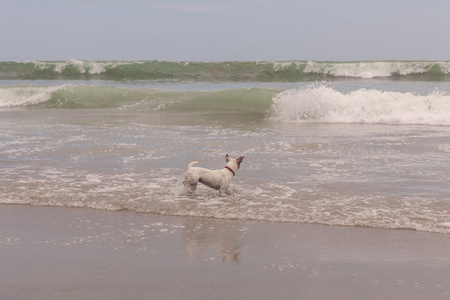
(217,179)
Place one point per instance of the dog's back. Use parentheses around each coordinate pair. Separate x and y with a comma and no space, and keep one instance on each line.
(216,179)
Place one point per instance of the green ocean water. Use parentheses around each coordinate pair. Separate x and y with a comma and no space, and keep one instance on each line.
(234,71)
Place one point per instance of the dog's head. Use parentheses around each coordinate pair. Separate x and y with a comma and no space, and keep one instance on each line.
(237,161)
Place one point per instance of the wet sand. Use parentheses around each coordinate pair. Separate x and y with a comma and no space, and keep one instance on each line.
(73,253)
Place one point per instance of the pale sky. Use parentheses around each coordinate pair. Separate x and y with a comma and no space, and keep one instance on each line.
(211,30)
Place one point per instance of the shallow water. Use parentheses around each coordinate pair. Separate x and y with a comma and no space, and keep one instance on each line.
(359,153)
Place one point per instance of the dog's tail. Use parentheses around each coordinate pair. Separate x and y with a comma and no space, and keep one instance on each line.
(192,163)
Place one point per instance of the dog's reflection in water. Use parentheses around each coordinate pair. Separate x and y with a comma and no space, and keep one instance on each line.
(209,239)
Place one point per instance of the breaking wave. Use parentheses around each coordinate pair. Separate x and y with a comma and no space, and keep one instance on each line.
(235,71)
(250,100)
(316,102)
(321,103)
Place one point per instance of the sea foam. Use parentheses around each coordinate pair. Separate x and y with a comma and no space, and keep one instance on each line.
(322,103)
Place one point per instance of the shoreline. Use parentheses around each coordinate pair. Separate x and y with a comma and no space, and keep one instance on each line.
(80,253)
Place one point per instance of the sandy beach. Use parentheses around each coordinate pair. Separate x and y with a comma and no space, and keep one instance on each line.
(70,253)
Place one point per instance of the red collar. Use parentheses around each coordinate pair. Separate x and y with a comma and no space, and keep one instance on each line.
(231,170)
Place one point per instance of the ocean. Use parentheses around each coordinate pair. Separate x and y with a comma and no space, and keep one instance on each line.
(336,143)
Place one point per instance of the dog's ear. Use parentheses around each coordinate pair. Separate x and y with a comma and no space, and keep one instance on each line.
(227,158)
(239,161)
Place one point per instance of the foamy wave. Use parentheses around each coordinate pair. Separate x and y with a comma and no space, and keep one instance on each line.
(375,69)
(321,103)
(235,71)
(82,66)
(23,96)
(283,65)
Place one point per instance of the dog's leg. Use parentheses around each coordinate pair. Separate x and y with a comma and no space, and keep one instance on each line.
(223,189)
